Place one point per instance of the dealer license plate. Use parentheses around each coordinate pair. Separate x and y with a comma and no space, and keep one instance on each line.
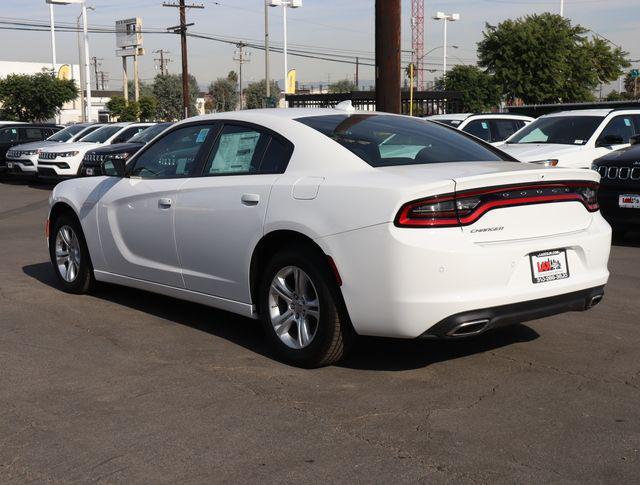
(9,165)
(629,201)
(549,266)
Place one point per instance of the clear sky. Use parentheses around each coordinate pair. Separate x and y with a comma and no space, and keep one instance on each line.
(341,26)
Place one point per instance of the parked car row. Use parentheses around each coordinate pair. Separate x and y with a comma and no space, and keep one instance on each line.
(56,155)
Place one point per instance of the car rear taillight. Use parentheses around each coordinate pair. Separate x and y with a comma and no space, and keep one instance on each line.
(464,208)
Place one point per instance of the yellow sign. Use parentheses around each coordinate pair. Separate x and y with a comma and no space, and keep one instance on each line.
(291,82)
(64,72)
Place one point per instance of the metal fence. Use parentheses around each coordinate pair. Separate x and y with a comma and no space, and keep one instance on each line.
(424,102)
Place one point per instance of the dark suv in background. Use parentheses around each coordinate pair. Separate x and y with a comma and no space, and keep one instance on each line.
(92,161)
(17,133)
(619,194)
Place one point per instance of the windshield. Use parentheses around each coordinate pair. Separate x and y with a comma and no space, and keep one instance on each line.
(564,130)
(101,134)
(383,140)
(150,133)
(66,134)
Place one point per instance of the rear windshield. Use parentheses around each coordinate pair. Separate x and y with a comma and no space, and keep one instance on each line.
(102,134)
(564,130)
(384,140)
(67,133)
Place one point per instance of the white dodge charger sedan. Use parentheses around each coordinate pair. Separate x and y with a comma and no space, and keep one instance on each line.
(332,223)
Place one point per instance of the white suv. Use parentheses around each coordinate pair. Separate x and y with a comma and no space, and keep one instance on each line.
(574,138)
(64,161)
(490,127)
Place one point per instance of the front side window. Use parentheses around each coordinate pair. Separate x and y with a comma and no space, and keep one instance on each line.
(173,155)
(620,127)
(385,140)
(238,150)
(565,130)
(8,135)
(478,128)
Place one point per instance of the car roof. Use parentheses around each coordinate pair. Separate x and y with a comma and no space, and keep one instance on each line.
(450,116)
(582,112)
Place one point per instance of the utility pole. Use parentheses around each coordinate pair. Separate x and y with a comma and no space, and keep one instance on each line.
(388,67)
(162,60)
(182,28)
(241,59)
(96,63)
(357,73)
(104,79)
(267,75)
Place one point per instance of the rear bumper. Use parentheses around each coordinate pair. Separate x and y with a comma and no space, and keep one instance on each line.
(478,321)
(402,283)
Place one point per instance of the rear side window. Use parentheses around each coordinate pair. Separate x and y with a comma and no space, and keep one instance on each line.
(503,129)
(32,134)
(478,128)
(385,140)
(243,149)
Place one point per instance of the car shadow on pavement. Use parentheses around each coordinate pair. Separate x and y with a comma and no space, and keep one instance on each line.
(368,353)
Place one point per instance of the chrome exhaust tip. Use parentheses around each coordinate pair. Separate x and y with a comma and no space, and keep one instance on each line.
(595,300)
(466,329)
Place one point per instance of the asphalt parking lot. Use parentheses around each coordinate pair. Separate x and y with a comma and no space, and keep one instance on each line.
(127,386)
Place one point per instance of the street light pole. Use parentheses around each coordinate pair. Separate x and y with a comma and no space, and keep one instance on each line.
(452,17)
(285,4)
(87,72)
(53,38)
(266,51)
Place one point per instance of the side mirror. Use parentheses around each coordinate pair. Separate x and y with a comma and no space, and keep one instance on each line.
(609,140)
(113,167)
(635,139)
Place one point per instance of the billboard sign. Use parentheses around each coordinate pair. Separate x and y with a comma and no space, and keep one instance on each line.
(129,33)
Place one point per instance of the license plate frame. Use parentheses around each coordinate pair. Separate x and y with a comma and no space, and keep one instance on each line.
(549,265)
(634,203)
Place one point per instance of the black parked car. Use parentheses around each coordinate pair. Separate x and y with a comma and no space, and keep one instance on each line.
(619,194)
(17,133)
(91,162)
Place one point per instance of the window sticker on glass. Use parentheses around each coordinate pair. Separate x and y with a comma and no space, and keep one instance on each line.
(627,122)
(578,142)
(202,135)
(235,152)
(484,125)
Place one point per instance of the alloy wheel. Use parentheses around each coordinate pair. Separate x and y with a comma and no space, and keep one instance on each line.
(67,254)
(294,307)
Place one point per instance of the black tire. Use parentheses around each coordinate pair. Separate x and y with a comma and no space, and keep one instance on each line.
(333,333)
(84,281)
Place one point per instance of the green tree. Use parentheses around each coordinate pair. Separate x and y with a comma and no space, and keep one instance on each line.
(167,89)
(479,89)
(34,97)
(223,93)
(148,107)
(122,110)
(145,89)
(255,94)
(544,59)
(342,86)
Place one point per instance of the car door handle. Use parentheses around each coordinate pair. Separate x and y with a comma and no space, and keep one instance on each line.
(164,203)
(250,199)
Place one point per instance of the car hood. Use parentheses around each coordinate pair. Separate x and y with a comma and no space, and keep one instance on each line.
(533,152)
(34,145)
(629,156)
(69,147)
(118,148)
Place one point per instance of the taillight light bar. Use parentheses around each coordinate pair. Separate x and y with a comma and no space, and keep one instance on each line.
(464,208)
